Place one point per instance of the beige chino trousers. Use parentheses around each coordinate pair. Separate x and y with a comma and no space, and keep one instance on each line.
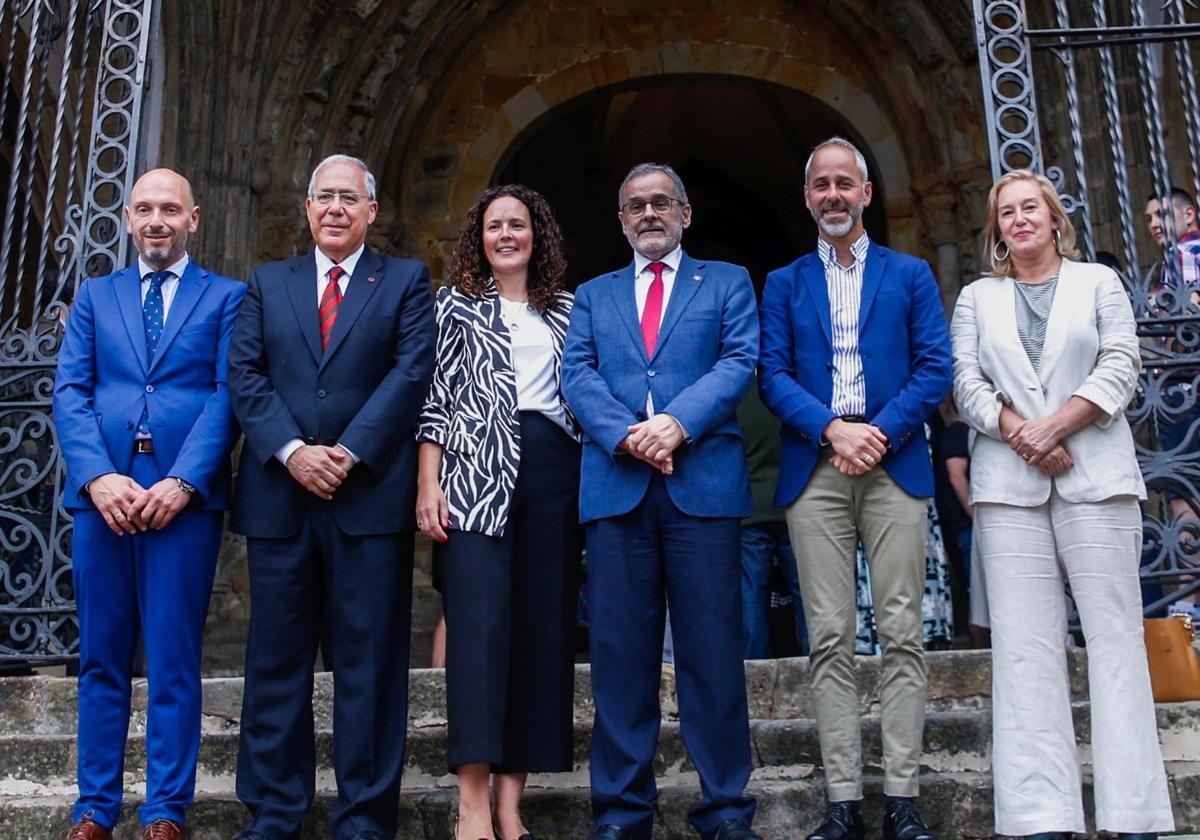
(826,524)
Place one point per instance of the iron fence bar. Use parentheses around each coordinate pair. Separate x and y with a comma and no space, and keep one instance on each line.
(14,185)
(1191,100)
(1116,142)
(1080,201)
(1019,106)
(1181,30)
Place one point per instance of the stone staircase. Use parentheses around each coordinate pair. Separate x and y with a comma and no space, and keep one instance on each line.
(37,756)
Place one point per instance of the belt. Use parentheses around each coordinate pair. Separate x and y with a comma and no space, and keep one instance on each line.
(143,446)
(853,418)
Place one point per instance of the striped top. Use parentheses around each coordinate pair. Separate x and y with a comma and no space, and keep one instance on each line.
(845,297)
(1033,302)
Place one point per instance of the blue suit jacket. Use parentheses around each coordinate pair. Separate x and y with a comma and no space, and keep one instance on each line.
(105,380)
(702,364)
(364,391)
(905,349)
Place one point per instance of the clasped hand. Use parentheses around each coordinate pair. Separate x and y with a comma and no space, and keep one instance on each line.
(321,469)
(857,447)
(127,507)
(654,441)
(1039,443)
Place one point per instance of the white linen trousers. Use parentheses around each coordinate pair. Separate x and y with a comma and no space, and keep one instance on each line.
(1036,772)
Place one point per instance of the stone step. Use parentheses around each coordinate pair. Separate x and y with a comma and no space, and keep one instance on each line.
(958,805)
(955,741)
(778,689)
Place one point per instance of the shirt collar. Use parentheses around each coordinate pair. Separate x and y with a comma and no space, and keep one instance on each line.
(177,268)
(324,263)
(1189,237)
(858,250)
(672,260)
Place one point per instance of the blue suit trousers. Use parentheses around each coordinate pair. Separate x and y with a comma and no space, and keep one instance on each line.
(636,563)
(160,580)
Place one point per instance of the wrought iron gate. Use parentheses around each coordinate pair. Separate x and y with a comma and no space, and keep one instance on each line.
(74,74)
(1101,96)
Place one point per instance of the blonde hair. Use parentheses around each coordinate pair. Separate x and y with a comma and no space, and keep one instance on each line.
(1065,242)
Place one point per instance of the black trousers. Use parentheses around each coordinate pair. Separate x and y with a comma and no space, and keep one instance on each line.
(351,595)
(510,607)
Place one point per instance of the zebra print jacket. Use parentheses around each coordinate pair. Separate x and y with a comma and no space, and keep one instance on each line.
(471,411)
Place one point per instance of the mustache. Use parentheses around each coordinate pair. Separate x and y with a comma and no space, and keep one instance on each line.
(649,226)
(835,204)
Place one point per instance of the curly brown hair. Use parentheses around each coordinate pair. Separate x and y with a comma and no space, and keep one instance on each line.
(469,270)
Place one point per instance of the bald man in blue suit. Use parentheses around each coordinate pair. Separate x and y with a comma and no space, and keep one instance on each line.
(144,421)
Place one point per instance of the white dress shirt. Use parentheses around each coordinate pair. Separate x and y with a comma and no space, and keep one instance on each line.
(844,284)
(643,277)
(169,286)
(324,265)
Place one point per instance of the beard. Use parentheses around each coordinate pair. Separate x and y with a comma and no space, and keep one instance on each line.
(836,230)
(672,236)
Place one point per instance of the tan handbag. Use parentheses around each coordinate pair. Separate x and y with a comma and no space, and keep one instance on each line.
(1174,664)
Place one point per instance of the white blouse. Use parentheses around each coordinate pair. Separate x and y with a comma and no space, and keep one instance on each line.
(533,362)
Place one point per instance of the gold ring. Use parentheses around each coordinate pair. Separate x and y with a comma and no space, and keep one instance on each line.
(1026,457)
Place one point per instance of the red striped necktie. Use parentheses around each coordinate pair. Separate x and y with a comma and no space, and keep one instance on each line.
(331,299)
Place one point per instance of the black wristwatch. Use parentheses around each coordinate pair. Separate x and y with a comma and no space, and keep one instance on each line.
(185,488)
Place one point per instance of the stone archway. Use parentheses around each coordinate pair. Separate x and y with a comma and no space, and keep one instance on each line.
(739,145)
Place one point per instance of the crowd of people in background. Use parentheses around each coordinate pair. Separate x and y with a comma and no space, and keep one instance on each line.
(715,453)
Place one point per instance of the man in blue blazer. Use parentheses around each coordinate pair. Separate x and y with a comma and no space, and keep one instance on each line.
(143,418)
(329,367)
(855,356)
(657,358)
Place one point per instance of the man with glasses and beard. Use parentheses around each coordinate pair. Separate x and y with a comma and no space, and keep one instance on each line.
(657,357)
(855,356)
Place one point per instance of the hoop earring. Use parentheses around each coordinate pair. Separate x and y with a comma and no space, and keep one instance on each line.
(997,257)
(1056,249)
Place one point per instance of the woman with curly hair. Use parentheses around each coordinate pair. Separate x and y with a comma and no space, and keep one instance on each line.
(497,491)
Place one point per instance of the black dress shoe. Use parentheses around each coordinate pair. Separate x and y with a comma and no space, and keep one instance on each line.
(902,821)
(1047,835)
(734,830)
(610,832)
(1147,836)
(842,822)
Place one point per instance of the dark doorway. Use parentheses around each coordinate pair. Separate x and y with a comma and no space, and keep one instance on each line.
(739,144)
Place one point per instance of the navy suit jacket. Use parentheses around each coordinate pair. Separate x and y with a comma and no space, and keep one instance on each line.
(905,350)
(703,362)
(364,391)
(105,380)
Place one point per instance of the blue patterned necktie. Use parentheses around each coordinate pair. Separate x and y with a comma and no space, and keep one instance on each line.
(152,318)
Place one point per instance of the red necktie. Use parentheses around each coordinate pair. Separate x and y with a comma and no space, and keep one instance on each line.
(652,313)
(331,299)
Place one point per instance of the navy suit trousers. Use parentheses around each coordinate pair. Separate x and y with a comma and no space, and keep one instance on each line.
(352,596)
(636,563)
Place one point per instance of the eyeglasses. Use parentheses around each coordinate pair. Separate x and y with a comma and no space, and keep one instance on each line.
(325,198)
(661,204)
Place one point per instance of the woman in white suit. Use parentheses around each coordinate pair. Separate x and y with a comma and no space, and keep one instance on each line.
(1045,361)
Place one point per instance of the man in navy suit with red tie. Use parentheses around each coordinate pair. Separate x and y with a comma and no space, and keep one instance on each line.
(329,367)
(143,418)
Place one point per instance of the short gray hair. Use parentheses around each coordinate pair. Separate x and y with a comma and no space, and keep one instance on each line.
(647,169)
(353,161)
(845,144)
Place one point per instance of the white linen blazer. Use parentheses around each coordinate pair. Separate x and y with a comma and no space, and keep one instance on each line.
(1091,351)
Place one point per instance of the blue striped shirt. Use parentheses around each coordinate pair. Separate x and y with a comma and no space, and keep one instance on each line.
(845,296)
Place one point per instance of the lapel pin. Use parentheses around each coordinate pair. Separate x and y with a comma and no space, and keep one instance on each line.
(696,278)
(371,278)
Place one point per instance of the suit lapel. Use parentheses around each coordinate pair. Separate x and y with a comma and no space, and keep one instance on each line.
(302,290)
(813,273)
(626,302)
(687,282)
(872,279)
(191,286)
(128,287)
(363,283)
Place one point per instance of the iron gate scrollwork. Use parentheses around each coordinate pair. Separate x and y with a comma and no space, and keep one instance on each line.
(70,109)
(1101,96)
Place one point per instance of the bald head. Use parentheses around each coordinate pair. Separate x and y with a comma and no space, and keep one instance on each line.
(160,216)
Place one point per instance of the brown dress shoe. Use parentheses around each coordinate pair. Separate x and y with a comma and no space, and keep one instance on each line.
(164,830)
(85,829)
